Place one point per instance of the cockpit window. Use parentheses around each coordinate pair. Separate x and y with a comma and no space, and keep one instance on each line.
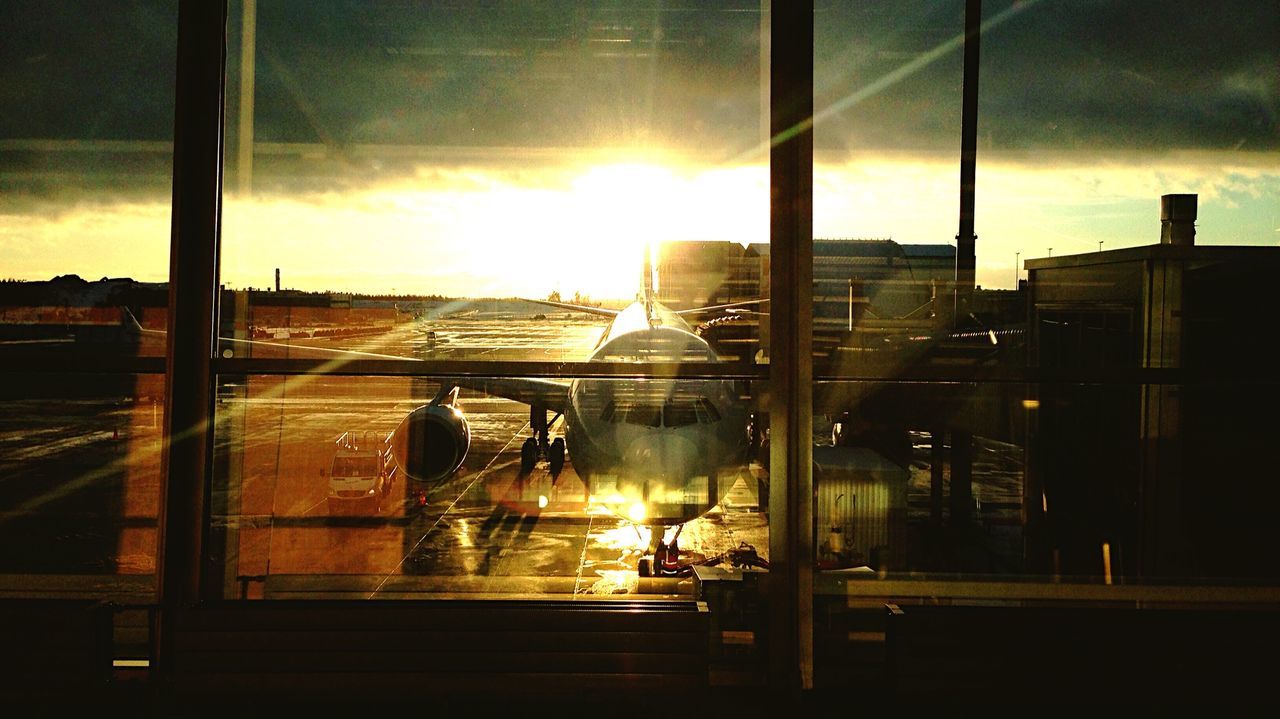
(643,415)
(355,466)
(672,413)
(679,414)
(707,412)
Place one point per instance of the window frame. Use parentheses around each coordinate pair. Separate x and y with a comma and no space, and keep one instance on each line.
(192,366)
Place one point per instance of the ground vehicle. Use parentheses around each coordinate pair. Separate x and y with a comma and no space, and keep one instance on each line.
(360,475)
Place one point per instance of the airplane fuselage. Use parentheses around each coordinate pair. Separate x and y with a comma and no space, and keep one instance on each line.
(671,445)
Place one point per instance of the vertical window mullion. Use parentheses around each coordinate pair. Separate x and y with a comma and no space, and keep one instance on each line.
(193,277)
(791,560)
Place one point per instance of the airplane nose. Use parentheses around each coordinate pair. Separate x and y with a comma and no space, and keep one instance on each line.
(662,454)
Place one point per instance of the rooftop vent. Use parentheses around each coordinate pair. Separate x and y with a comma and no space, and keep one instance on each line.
(1177,219)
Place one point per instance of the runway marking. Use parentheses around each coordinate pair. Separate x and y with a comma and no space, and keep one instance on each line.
(435,524)
(582,557)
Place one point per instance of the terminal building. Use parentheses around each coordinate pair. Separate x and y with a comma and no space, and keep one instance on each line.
(863,289)
(1171,483)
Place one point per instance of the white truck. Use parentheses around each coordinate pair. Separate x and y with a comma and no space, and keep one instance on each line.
(361,473)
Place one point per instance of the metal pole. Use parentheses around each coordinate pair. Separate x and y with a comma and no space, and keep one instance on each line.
(961,489)
(937,456)
(965,238)
(193,282)
(765,67)
(791,558)
(248,78)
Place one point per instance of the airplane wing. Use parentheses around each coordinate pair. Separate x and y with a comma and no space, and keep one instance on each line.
(303,349)
(549,393)
(743,303)
(601,311)
(137,327)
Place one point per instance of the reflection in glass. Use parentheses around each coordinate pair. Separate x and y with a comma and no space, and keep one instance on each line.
(80,455)
(404,175)
(85,176)
(85,187)
(1104,167)
(892,495)
(497,182)
(1084,122)
(332,486)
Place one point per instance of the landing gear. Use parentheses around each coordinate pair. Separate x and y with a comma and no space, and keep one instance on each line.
(528,455)
(555,456)
(540,445)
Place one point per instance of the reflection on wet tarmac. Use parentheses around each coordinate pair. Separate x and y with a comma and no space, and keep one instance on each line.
(487,530)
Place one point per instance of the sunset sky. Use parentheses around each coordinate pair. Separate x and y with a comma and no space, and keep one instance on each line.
(493,149)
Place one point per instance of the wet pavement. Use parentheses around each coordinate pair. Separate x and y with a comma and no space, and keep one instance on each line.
(489,529)
(81,464)
(81,485)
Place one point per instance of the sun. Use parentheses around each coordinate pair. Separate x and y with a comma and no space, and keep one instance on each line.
(581,228)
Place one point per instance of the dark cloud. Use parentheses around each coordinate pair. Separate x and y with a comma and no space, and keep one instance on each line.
(1072,74)
(1140,74)
(523,74)
(1058,75)
(88,69)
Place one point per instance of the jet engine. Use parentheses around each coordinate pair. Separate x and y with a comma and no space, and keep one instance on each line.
(431,442)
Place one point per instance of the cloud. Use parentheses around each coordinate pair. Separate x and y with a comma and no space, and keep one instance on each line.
(1078,75)
(583,227)
(475,141)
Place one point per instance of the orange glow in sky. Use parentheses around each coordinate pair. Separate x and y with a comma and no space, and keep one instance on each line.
(584,228)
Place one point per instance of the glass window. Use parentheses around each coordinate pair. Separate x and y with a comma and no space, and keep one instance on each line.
(300,511)
(1051,431)
(439,222)
(81,457)
(1088,115)
(408,181)
(85,186)
(85,158)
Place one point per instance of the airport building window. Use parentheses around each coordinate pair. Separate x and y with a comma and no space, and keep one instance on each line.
(85,189)
(439,224)
(1041,395)
(537,303)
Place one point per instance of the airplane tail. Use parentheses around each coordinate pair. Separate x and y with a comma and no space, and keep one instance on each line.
(447,394)
(131,321)
(647,283)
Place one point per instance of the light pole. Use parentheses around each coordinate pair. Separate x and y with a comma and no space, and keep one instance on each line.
(1016,269)
(1099,245)
(1051,252)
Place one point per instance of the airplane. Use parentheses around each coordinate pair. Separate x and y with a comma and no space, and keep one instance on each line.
(658,452)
